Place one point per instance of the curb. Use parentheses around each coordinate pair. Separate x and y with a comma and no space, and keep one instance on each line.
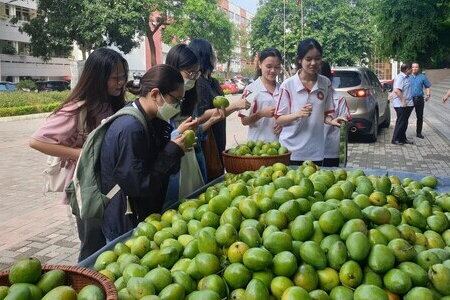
(24,117)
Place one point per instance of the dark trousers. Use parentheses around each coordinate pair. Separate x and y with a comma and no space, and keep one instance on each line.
(300,162)
(419,104)
(401,124)
(330,162)
(91,237)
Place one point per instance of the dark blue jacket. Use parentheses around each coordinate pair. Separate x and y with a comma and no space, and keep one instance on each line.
(141,165)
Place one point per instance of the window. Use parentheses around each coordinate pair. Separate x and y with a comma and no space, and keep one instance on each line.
(344,79)
(24,48)
(22,13)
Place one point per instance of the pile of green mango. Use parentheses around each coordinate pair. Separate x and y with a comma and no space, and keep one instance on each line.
(282,233)
(258,148)
(27,282)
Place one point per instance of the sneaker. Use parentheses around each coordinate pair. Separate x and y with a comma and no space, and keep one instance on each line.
(420,136)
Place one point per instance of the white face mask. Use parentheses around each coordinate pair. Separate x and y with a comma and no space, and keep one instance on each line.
(188,84)
(167,111)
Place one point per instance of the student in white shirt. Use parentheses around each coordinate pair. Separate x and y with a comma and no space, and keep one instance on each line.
(263,94)
(332,133)
(304,105)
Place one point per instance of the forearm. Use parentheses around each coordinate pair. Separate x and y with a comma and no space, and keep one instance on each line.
(231,109)
(55,149)
(253,118)
(286,119)
(399,94)
(206,115)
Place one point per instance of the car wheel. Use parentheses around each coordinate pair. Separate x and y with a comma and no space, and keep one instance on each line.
(387,119)
(372,137)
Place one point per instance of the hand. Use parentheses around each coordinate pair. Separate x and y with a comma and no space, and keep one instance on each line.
(217,116)
(427,97)
(277,129)
(335,122)
(404,103)
(305,111)
(187,124)
(241,104)
(444,99)
(67,162)
(267,112)
(339,121)
(179,140)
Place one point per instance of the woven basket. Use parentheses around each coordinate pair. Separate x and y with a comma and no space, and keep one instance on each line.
(237,164)
(77,278)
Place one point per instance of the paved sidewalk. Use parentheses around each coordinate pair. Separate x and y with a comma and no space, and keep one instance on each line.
(32,224)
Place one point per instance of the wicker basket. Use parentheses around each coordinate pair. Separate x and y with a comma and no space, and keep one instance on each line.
(77,278)
(237,164)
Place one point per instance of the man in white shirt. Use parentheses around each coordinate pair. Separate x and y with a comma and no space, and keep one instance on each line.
(403,104)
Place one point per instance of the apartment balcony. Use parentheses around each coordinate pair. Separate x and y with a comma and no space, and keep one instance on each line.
(22,65)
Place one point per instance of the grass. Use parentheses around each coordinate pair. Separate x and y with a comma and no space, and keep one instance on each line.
(23,103)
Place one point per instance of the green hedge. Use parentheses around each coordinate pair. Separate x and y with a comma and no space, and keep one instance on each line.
(27,109)
(18,99)
(23,103)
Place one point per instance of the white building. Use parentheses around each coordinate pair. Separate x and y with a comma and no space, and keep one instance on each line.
(17,63)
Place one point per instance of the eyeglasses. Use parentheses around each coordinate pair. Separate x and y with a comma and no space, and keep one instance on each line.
(179,100)
(193,74)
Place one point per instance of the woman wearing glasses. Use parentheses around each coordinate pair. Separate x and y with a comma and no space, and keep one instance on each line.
(140,161)
(192,175)
(207,89)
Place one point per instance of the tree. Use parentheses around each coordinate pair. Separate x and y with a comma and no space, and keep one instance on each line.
(343,27)
(414,30)
(202,19)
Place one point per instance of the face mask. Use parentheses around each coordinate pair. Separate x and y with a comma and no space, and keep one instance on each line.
(188,84)
(167,111)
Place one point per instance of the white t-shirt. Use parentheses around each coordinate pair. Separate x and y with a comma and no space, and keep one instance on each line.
(304,137)
(331,133)
(261,130)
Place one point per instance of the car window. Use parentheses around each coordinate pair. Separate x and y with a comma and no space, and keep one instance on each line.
(10,87)
(3,87)
(374,80)
(344,79)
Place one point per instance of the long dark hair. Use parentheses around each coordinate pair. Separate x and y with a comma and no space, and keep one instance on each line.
(325,70)
(268,52)
(304,46)
(203,49)
(183,58)
(163,77)
(92,87)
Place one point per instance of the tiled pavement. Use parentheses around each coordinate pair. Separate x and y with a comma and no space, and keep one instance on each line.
(38,225)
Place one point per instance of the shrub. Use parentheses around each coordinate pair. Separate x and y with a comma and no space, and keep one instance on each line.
(9,49)
(27,109)
(19,98)
(26,84)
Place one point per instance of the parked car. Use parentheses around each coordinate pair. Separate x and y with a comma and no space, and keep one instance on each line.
(367,100)
(52,85)
(230,85)
(6,86)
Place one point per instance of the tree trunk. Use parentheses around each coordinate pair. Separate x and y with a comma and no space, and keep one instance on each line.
(152,46)
(228,68)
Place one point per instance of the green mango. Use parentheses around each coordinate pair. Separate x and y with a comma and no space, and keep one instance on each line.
(337,255)
(51,279)
(358,246)
(61,293)
(351,226)
(419,276)
(173,291)
(397,281)
(419,293)
(27,270)
(370,292)
(381,259)
(440,277)
(21,293)
(91,292)
(340,293)
(35,292)
(312,254)
(256,290)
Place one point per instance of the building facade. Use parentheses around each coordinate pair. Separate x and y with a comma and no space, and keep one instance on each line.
(16,62)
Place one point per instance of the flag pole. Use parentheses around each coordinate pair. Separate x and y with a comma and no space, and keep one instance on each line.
(284,33)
